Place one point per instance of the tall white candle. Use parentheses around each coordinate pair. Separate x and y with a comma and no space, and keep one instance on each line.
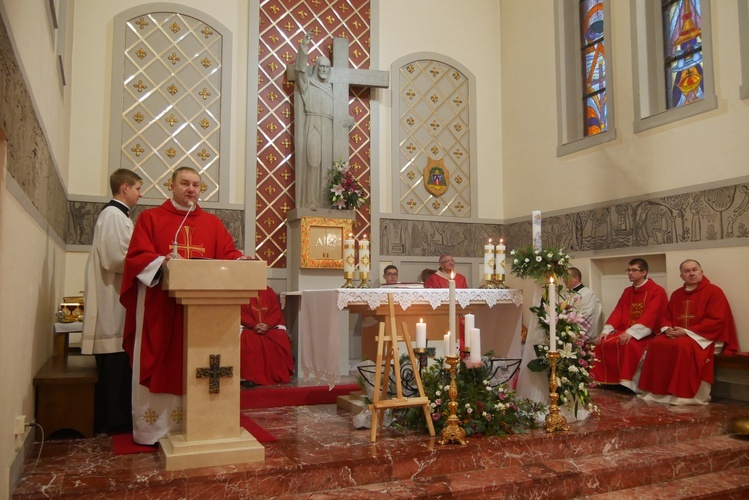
(475,344)
(349,254)
(452,323)
(500,259)
(469,324)
(421,334)
(364,259)
(447,344)
(536,230)
(552,316)
(488,261)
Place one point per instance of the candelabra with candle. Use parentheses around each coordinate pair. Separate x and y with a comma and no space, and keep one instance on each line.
(555,421)
(349,261)
(453,432)
(364,277)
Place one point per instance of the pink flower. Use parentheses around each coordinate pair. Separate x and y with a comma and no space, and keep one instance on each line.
(438,401)
(435,416)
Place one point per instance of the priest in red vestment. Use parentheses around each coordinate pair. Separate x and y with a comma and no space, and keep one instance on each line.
(628,331)
(678,366)
(442,276)
(441,279)
(154,321)
(265,347)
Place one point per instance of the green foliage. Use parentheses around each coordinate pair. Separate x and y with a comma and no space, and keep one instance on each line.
(482,409)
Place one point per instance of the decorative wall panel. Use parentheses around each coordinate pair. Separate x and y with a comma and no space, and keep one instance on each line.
(282,27)
(719,214)
(171,101)
(434,140)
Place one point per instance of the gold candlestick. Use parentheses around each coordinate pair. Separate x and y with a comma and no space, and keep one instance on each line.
(349,277)
(364,280)
(453,432)
(554,420)
(488,282)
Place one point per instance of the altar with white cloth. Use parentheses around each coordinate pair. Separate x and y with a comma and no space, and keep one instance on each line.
(324,336)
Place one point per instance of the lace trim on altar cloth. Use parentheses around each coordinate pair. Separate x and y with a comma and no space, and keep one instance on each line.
(434,297)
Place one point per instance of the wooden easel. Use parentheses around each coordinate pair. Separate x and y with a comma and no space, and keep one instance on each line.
(387,345)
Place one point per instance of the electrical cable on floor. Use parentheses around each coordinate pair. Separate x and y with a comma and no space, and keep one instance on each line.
(41,445)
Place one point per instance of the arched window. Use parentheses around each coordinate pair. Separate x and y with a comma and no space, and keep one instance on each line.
(672,61)
(585,111)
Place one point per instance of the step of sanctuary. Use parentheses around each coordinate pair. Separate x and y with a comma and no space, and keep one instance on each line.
(633,445)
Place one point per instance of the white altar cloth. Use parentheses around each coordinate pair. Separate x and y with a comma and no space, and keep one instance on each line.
(323,345)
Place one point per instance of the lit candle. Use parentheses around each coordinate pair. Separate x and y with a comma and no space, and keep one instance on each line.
(452,324)
(536,218)
(364,259)
(349,254)
(475,344)
(421,334)
(469,320)
(500,259)
(552,316)
(488,262)
(447,344)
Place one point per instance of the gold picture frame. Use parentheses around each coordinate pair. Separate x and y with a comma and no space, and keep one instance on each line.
(322,242)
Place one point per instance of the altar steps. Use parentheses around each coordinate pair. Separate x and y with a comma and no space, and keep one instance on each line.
(634,450)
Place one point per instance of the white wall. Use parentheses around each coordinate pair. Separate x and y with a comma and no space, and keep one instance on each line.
(468,32)
(703,149)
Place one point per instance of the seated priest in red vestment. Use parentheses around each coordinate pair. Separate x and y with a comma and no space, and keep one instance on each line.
(265,347)
(441,279)
(678,367)
(153,335)
(629,329)
(442,276)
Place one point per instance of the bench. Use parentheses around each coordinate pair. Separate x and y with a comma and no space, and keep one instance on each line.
(64,389)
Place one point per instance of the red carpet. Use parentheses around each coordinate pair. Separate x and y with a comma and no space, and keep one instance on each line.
(124,444)
(272,397)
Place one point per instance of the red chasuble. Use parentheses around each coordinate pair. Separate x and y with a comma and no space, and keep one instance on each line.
(437,281)
(265,358)
(644,306)
(678,366)
(202,236)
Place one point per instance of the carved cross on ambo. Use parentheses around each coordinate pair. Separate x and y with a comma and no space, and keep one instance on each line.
(215,372)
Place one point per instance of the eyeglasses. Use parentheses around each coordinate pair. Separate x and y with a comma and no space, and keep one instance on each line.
(447,261)
(629,271)
(391,274)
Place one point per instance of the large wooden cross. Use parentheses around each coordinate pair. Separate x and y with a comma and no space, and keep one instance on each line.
(341,77)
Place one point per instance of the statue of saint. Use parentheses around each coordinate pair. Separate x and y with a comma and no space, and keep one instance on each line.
(314,143)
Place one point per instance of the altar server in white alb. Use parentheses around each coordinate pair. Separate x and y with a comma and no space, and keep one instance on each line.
(586,302)
(104,319)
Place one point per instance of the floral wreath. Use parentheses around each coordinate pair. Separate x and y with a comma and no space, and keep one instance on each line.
(537,265)
(344,190)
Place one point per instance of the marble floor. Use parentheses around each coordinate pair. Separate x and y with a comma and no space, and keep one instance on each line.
(632,448)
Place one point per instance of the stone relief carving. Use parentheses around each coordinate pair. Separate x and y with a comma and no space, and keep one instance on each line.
(711,214)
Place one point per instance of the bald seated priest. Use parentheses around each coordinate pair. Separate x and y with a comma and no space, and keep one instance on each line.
(679,363)
(176,229)
(441,278)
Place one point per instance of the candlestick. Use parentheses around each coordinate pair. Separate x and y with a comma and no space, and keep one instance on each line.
(421,334)
(552,316)
(475,345)
(536,218)
(555,421)
(488,261)
(364,258)
(468,325)
(349,254)
(452,324)
(500,259)
(453,432)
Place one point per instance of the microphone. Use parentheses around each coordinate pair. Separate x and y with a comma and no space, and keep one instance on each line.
(174,246)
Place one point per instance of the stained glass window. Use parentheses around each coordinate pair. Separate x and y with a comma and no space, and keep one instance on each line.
(594,67)
(682,36)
